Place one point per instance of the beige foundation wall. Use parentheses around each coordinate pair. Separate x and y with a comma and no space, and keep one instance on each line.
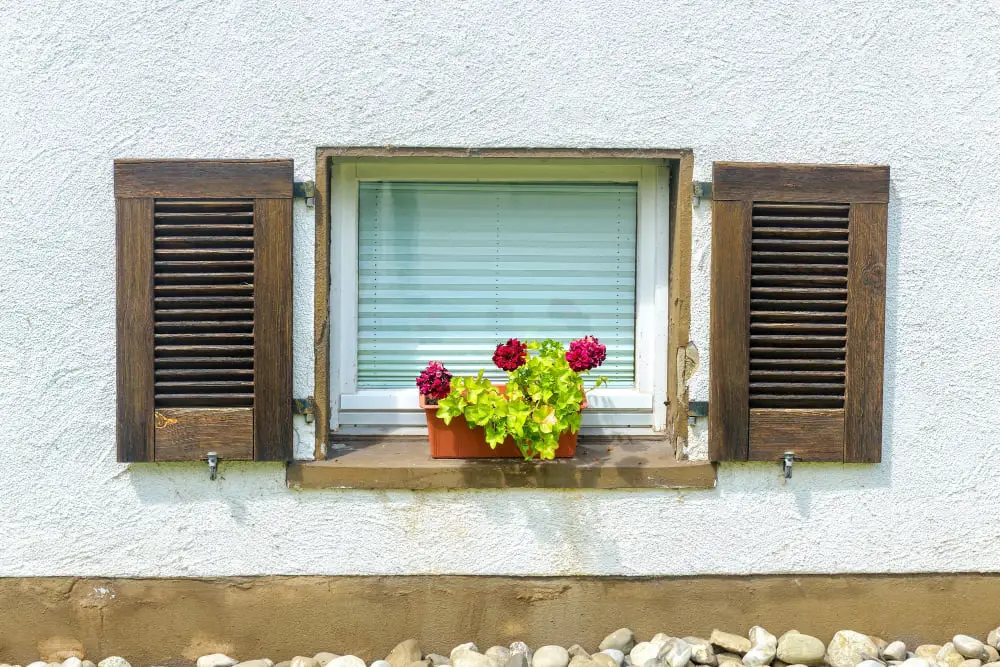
(173,621)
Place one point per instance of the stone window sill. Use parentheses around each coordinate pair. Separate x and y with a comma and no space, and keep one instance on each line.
(405,463)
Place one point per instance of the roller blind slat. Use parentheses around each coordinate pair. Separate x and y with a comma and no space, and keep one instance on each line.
(448,270)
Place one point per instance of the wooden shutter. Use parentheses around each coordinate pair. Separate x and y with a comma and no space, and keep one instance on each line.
(797,311)
(204,258)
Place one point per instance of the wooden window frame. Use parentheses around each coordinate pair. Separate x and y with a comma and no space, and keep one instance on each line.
(856,435)
(679,266)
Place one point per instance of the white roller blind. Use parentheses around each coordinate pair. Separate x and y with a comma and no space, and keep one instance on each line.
(448,270)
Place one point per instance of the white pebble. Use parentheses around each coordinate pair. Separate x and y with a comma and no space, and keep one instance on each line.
(213,660)
(615,654)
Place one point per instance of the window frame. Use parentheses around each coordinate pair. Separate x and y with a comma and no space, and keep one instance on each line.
(393,411)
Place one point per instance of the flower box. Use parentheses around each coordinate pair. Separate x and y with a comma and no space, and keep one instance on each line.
(458,441)
(470,417)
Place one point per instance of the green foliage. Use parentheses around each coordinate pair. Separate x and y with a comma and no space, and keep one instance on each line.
(541,402)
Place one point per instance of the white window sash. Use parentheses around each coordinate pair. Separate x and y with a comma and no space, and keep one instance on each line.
(614,410)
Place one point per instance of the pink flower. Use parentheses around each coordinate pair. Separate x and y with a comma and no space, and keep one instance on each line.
(511,355)
(586,354)
(434,381)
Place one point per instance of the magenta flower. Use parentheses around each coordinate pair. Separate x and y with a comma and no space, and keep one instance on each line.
(434,381)
(586,354)
(511,355)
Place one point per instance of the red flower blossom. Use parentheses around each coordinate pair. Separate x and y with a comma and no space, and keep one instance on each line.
(434,381)
(586,354)
(511,355)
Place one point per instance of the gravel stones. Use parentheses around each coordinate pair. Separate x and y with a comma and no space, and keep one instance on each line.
(498,654)
(848,648)
(468,646)
(871,663)
(949,656)
(763,647)
(796,648)
(916,662)
(470,658)
(517,659)
(621,639)
(577,651)
(212,660)
(115,661)
(602,659)
(550,656)
(993,653)
(436,659)
(927,651)
(993,638)
(677,653)
(643,652)
(263,662)
(377,663)
(303,661)
(346,661)
(615,654)
(970,647)
(730,643)
(701,651)
(894,651)
(403,654)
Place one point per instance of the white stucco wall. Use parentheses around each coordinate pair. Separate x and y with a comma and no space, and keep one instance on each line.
(910,83)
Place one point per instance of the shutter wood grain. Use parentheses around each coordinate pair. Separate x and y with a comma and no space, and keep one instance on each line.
(134,348)
(866,332)
(815,324)
(189,434)
(818,183)
(217,179)
(273,308)
(205,357)
(728,418)
(815,435)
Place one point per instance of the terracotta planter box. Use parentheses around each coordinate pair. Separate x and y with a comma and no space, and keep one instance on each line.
(458,441)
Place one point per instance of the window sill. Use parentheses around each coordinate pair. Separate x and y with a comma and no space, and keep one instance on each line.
(405,463)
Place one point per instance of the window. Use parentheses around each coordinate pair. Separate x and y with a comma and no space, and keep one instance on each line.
(441,260)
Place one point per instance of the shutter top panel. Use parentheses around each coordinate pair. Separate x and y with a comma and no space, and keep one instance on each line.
(270,179)
(817,183)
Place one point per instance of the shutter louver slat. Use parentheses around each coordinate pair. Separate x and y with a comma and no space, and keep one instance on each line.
(811,327)
(186,335)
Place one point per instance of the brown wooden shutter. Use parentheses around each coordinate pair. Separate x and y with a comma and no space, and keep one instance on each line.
(797,311)
(204,255)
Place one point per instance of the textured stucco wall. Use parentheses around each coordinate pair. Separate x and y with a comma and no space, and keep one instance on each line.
(911,84)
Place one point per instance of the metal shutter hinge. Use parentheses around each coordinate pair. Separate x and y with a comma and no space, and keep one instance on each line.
(305,407)
(700,190)
(697,409)
(305,190)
